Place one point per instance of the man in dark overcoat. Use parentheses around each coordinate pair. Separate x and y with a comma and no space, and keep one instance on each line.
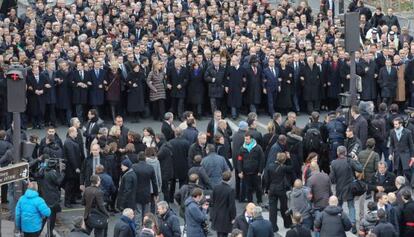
(235,85)
(387,80)
(79,84)
(36,88)
(177,77)
(311,77)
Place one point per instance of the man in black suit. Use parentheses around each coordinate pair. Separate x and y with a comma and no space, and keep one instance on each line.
(360,125)
(401,149)
(36,88)
(50,92)
(167,127)
(145,180)
(223,206)
(297,67)
(177,77)
(243,221)
(72,155)
(80,90)
(92,127)
(387,80)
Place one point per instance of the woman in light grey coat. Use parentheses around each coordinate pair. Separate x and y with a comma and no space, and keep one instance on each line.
(152,160)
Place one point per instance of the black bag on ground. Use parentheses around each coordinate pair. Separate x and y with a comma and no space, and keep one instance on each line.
(97,219)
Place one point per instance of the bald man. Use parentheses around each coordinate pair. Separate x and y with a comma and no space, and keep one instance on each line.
(243,221)
(332,221)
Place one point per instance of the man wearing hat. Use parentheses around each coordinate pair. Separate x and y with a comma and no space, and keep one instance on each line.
(254,82)
(127,187)
(372,35)
(238,140)
(79,228)
(393,40)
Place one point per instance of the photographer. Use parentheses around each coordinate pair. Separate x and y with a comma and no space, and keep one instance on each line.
(195,216)
(50,182)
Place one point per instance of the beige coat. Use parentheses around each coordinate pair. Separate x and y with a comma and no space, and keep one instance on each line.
(400,95)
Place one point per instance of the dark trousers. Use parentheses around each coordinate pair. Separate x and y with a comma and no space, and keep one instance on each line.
(158,109)
(271,98)
(52,220)
(166,185)
(98,232)
(252,182)
(273,200)
(387,100)
(35,234)
(181,182)
(313,105)
(37,120)
(51,114)
(177,106)
(71,189)
(215,104)
(80,112)
(65,116)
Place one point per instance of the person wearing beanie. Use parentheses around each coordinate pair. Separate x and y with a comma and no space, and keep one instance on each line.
(238,140)
(127,187)
(79,228)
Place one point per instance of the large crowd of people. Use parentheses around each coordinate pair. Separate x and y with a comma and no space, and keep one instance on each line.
(105,60)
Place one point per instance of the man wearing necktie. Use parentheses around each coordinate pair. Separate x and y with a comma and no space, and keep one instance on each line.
(80,90)
(401,149)
(36,99)
(296,82)
(387,80)
(271,85)
(254,80)
(96,89)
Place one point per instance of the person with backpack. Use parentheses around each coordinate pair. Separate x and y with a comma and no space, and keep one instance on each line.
(336,134)
(332,221)
(312,138)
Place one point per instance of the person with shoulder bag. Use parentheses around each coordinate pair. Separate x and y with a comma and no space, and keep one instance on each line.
(95,215)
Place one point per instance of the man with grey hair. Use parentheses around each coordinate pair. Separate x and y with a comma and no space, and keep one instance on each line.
(167,127)
(332,221)
(123,225)
(342,170)
(214,165)
(260,227)
(168,222)
(402,185)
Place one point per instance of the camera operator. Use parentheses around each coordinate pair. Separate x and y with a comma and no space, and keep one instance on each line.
(52,148)
(50,181)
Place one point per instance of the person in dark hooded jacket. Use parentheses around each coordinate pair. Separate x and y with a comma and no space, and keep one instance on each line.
(332,221)
(52,148)
(127,187)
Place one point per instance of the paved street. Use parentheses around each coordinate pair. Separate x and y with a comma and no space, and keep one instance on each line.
(66,217)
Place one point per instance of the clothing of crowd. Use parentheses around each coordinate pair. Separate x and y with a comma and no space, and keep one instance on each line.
(95,60)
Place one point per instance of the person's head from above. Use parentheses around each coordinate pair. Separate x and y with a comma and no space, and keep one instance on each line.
(257,211)
(162,207)
(33,186)
(349,131)
(372,206)
(313,156)
(75,122)
(72,132)
(291,116)
(210,148)
(219,139)
(95,180)
(398,123)
(382,198)
(400,182)
(236,233)
(277,117)
(406,196)
(298,184)
(226,176)
(217,115)
(169,117)
(126,164)
(95,150)
(119,121)
(128,212)
(297,218)
(333,201)
(187,115)
(382,167)
(282,140)
(197,194)
(193,178)
(93,113)
(392,198)
(248,138)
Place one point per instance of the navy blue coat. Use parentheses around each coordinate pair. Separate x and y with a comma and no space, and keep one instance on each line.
(270,80)
(96,89)
(63,90)
(79,94)
(260,228)
(235,81)
(50,93)
(176,78)
(388,82)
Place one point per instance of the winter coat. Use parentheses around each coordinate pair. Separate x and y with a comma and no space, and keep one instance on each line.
(360,129)
(30,211)
(165,157)
(178,77)
(260,228)
(203,180)
(169,224)
(295,148)
(167,130)
(284,100)
(299,202)
(127,190)
(190,134)
(180,152)
(312,83)
(145,180)
(153,161)
(320,187)
(49,93)
(342,174)
(195,149)
(216,88)
(156,83)
(371,166)
(334,87)
(332,222)
(298,231)
(388,182)
(36,103)
(135,90)
(384,229)
(402,149)
(63,90)
(369,222)
(96,89)
(237,143)
(195,87)
(223,208)
(407,215)
(254,85)
(79,94)
(107,186)
(241,223)
(194,218)
(275,178)
(369,82)
(50,185)
(72,156)
(388,82)
(123,229)
(251,162)
(235,82)
(214,165)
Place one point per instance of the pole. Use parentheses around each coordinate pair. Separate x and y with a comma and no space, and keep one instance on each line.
(352,84)
(341,7)
(16,155)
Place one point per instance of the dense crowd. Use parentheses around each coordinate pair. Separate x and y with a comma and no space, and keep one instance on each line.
(132,59)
